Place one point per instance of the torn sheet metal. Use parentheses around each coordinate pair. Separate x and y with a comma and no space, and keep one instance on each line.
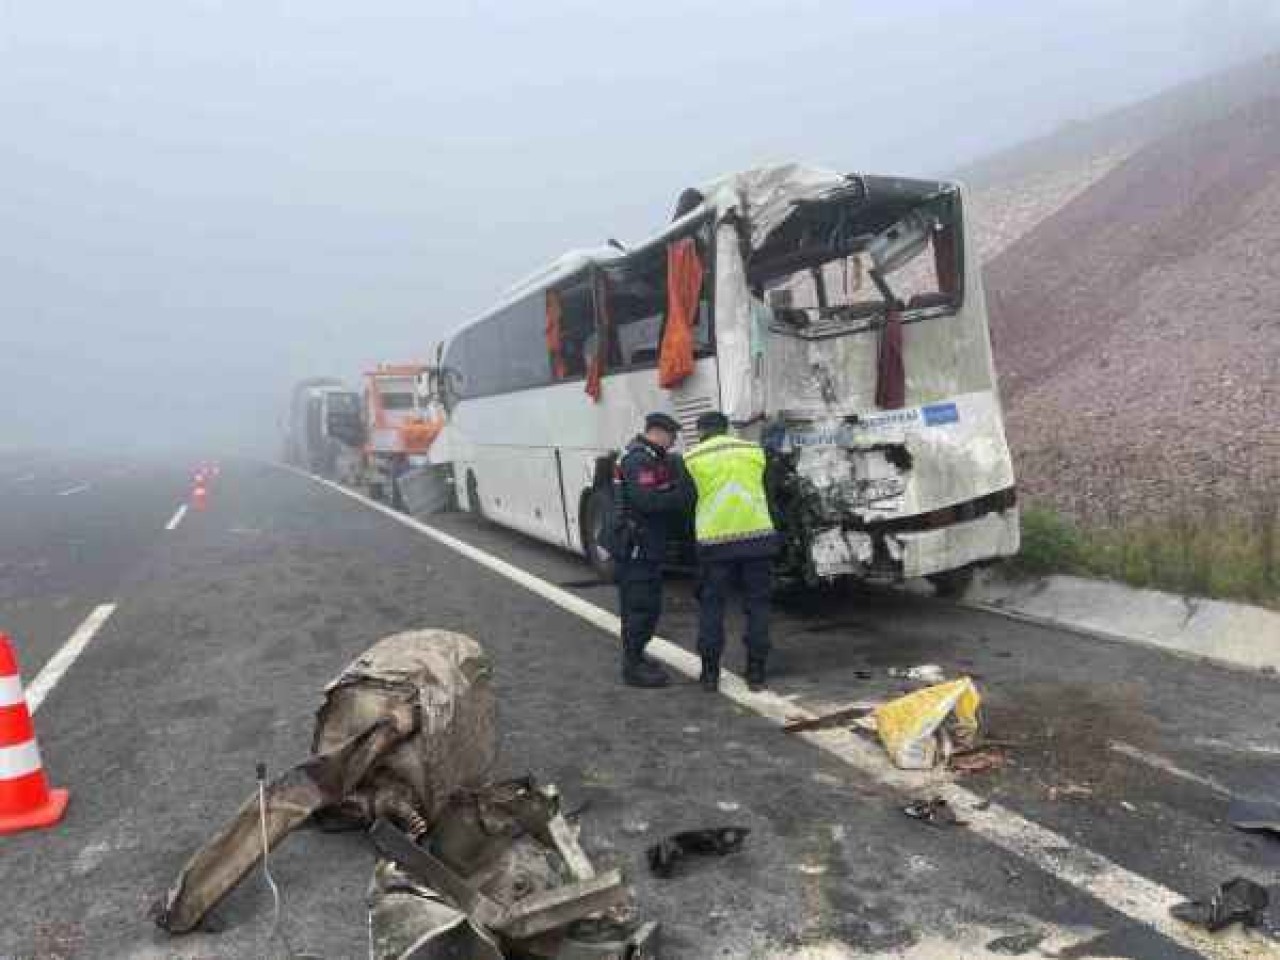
(599,938)
(495,898)
(766,196)
(402,728)
(410,921)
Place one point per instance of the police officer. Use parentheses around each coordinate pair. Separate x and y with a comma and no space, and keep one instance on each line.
(653,494)
(736,542)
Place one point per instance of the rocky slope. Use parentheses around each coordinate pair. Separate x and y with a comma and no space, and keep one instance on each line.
(1134,281)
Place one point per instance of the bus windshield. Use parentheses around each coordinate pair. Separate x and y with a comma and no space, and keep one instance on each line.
(837,268)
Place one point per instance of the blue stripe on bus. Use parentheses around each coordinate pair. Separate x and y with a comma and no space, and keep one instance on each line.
(940,413)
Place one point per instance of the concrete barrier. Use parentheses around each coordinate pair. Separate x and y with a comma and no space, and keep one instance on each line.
(1231,633)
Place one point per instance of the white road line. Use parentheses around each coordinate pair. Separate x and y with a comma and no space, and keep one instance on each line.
(1157,762)
(176,518)
(81,488)
(61,661)
(1122,890)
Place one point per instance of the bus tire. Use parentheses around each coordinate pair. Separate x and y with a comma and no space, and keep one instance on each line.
(474,507)
(596,514)
(952,584)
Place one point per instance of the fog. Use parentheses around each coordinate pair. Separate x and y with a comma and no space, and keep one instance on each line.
(203,202)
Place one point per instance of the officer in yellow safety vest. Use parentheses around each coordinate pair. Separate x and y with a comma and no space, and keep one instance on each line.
(737,540)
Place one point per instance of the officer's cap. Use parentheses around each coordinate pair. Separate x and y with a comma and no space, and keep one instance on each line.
(711,423)
(662,421)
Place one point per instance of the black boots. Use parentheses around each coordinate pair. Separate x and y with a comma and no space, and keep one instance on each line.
(755,673)
(639,671)
(710,676)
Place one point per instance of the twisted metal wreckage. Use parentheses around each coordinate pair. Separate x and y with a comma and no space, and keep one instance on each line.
(405,742)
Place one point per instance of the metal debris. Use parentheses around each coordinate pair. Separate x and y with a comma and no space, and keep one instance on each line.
(600,938)
(1016,944)
(935,811)
(981,759)
(716,841)
(401,730)
(1255,814)
(1237,899)
(833,718)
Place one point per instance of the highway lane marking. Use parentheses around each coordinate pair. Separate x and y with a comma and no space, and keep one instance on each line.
(176,518)
(1163,764)
(81,488)
(1142,900)
(61,661)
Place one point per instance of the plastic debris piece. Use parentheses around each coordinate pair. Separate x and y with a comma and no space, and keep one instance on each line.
(912,727)
(925,673)
(1237,899)
(717,841)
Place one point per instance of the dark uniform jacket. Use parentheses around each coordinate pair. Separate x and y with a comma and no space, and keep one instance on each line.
(653,496)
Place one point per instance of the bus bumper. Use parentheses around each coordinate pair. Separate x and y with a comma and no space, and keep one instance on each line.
(903,555)
(923,552)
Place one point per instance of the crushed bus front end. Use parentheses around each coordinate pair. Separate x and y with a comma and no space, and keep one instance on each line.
(853,343)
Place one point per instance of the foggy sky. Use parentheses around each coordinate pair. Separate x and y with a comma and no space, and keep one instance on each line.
(203,201)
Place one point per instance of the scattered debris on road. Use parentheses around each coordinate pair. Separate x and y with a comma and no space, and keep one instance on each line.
(494,859)
(1237,899)
(1016,944)
(1070,791)
(935,811)
(920,729)
(981,759)
(1255,814)
(402,729)
(405,741)
(715,841)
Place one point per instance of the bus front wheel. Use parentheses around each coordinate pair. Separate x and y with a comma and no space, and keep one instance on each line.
(597,514)
(952,584)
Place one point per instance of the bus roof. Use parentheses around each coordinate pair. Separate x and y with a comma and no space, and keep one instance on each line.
(769,194)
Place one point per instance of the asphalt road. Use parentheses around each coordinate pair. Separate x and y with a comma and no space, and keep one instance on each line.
(227,628)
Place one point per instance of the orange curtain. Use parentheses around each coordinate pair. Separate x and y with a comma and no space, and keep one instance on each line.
(555,344)
(593,384)
(891,376)
(684,285)
(596,362)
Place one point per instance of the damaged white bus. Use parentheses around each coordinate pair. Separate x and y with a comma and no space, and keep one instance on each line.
(836,318)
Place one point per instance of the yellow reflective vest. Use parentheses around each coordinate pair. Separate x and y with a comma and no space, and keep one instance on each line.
(732,516)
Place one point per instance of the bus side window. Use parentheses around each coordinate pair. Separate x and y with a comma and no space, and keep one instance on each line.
(637,304)
(577,329)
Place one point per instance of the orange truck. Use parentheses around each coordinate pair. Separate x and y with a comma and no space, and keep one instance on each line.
(402,419)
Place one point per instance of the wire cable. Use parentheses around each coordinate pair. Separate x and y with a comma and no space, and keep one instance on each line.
(277,931)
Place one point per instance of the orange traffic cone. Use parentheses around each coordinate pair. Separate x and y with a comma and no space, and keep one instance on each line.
(26,802)
(199,495)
